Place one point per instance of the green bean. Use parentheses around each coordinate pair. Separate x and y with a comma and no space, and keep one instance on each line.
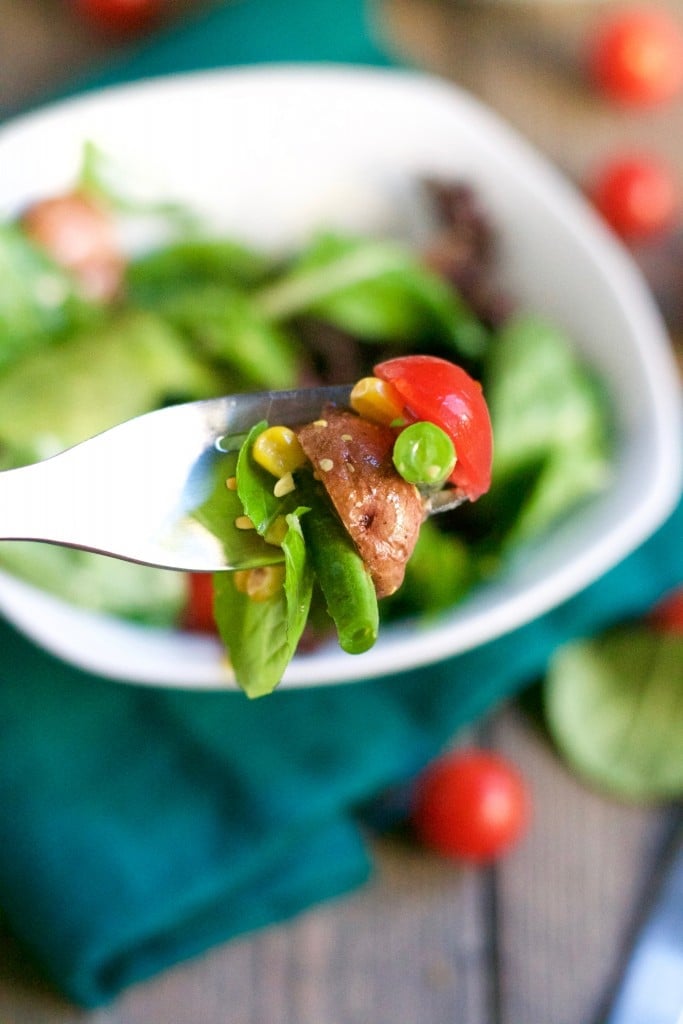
(424,454)
(344,579)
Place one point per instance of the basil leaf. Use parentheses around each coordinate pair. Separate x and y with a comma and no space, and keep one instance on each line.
(614,707)
(298,578)
(262,637)
(219,513)
(255,485)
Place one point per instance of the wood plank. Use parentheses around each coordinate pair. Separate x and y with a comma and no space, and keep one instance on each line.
(527,61)
(38,57)
(411,946)
(568,898)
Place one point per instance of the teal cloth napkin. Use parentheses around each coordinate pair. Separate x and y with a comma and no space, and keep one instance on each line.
(139,827)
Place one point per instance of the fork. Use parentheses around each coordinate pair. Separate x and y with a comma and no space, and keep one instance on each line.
(134,491)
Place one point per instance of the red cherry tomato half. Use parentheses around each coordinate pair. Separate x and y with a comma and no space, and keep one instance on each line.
(120,15)
(471,805)
(637,195)
(667,614)
(197,616)
(635,57)
(438,391)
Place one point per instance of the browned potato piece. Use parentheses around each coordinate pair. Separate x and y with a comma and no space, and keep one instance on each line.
(380,510)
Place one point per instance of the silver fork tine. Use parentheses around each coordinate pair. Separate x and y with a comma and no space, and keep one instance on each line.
(130,491)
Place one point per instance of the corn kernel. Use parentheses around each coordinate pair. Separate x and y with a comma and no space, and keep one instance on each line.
(276,532)
(376,400)
(260,584)
(278,451)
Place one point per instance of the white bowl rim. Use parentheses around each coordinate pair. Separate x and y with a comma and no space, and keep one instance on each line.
(407,650)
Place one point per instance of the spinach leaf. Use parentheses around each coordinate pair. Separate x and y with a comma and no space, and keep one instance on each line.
(58,396)
(439,573)
(225,325)
(549,423)
(614,706)
(189,264)
(375,290)
(39,302)
(153,597)
(262,637)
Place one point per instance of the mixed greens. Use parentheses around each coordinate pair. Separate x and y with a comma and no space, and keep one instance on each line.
(200,315)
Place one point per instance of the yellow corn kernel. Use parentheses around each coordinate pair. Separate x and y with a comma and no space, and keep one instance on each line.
(260,584)
(276,532)
(376,400)
(278,451)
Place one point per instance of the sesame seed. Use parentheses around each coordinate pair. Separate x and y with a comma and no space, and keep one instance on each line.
(231,483)
(347,437)
(326,465)
(319,423)
(244,523)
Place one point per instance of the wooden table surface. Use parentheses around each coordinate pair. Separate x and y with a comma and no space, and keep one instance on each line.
(541,938)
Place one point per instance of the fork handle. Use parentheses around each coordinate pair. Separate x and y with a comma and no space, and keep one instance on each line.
(37,503)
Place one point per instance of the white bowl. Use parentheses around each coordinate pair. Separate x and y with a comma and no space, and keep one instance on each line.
(275,152)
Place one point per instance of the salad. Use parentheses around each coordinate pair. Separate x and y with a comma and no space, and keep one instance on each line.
(343,499)
(92,334)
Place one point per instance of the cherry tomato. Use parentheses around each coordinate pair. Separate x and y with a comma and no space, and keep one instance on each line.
(198,613)
(637,195)
(636,57)
(81,236)
(471,805)
(120,15)
(667,615)
(440,392)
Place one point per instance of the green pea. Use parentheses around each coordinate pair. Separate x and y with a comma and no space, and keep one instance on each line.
(424,454)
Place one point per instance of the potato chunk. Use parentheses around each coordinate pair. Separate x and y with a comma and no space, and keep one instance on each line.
(381,511)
